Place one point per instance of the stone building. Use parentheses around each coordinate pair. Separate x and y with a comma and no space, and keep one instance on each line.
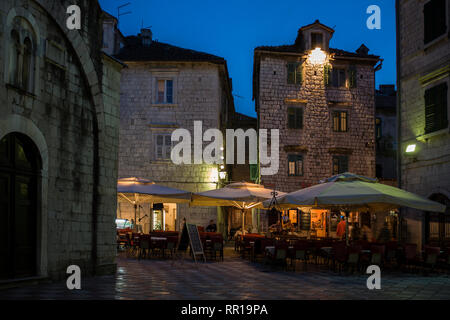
(165,88)
(322,100)
(386,134)
(59,104)
(423,52)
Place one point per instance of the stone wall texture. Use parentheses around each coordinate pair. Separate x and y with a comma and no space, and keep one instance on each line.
(426,173)
(199,95)
(317,141)
(72,115)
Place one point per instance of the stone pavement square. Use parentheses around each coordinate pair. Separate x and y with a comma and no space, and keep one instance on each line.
(235,279)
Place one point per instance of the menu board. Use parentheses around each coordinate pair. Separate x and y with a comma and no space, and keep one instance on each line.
(305,221)
(194,237)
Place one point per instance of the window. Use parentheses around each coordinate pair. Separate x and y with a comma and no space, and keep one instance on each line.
(295,165)
(338,77)
(352,77)
(316,40)
(27,66)
(434,13)
(340,164)
(378,133)
(163,146)
(14,58)
(436,108)
(295,75)
(340,121)
(295,118)
(165,91)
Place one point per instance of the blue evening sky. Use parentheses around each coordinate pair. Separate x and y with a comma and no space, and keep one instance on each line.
(233,28)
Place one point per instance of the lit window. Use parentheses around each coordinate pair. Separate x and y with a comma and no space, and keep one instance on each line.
(295,165)
(165,91)
(340,121)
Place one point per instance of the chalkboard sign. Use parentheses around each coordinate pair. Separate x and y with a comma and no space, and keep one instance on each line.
(305,221)
(194,237)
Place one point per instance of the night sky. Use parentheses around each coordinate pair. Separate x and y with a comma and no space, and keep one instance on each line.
(233,28)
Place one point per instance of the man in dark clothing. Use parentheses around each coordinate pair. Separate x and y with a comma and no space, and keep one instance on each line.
(211,227)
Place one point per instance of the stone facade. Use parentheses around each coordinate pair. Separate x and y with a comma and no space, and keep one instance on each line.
(68,107)
(424,64)
(201,91)
(316,141)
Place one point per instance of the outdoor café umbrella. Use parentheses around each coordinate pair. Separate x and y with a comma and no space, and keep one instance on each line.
(137,190)
(242,195)
(349,191)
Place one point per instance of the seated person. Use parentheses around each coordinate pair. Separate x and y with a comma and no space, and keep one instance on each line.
(211,227)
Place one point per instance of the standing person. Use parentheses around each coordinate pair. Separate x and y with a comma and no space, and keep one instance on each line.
(211,227)
(340,230)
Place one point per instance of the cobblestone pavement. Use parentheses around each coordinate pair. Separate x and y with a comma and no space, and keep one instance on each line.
(234,278)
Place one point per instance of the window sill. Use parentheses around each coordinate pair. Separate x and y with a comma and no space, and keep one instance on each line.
(436,41)
(168,161)
(164,105)
(433,134)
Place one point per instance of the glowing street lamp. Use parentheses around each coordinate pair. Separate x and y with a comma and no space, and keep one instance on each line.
(411,148)
(317,56)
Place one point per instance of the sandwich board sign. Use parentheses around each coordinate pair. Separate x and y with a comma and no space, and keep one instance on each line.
(190,236)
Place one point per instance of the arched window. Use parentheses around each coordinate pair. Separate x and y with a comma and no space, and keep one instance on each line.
(27,65)
(14,58)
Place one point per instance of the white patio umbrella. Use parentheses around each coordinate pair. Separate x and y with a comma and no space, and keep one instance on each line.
(137,190)
(349,192)
(241,195)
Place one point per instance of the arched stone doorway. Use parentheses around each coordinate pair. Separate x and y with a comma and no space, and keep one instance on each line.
(437,224)
(20,170)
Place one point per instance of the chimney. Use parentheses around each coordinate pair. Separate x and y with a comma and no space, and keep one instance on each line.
(146,37)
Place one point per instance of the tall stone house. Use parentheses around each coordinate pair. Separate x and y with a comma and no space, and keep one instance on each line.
(322,101)
(386,134)
(423,53)
(165,88)
(59,125)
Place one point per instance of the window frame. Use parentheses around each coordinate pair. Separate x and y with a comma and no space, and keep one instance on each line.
(296,110)
(339,159)
(295,158)
(296,68)
(165,92)
(322,42)
(440,120)
(339,113)
(336,70)
(163,146)
(429,39)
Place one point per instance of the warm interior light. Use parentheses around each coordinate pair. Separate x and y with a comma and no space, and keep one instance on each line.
(410,148)
(317,56)
(222,175)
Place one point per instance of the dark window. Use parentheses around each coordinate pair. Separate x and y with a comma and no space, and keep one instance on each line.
(352,77)
(379,170)
(316,40)
(436,108)
(294,73)
(295,165)
(434,13)
(14,57)
(338,77)
(340,164)
(295,118)
(340,121)
(378,124)
(254,172)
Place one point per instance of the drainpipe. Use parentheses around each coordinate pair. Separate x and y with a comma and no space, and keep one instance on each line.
(398,110)
(95,194)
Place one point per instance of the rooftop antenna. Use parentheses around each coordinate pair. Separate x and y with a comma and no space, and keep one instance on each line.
(122,13)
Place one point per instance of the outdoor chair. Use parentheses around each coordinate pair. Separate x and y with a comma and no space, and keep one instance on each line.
(217,247)
(353,257)
(299,252)
(391,252)
(144,246)
(279,255)
(339,252)
(171,245)
(410,260)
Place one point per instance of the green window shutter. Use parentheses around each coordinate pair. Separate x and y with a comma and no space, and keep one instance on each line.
(254,172)
(430,111)
(327,74)
(291,73)
(298,74)
(441,104)
(352,74)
